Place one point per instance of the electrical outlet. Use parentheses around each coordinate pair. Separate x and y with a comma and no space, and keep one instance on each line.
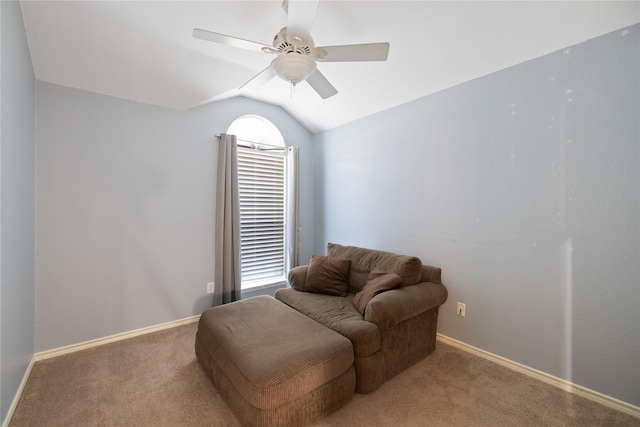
(461,309)
(210,287)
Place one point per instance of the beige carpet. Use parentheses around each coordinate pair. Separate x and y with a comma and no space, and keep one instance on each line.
(155,380)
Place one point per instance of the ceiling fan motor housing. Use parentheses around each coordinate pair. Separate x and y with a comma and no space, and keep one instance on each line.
(291,43)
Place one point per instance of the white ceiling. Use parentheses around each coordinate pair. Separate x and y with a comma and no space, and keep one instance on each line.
(144,51)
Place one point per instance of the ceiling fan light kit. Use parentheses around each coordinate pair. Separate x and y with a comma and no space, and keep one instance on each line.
(296,54)
(293,68)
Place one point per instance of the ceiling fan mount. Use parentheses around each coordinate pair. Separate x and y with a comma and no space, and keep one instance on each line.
(285,43)
(296,52)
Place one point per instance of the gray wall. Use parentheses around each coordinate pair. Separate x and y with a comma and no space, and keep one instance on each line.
(125,205)
(17,217)
(524,187)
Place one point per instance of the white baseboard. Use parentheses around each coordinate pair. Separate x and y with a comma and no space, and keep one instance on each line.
(112,338)
(595,396)
(16,398)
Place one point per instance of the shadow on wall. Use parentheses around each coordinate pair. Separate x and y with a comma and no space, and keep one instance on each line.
(206,301)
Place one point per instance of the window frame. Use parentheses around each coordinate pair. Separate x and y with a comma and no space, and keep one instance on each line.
(262,217)
(258,137)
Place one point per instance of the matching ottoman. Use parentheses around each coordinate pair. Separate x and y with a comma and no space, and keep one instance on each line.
(273,365)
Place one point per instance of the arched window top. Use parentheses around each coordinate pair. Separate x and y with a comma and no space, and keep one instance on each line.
(257,131)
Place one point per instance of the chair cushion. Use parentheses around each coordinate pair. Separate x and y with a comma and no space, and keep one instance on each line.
(338,314)
(327,275)
(409,268)
(378,282)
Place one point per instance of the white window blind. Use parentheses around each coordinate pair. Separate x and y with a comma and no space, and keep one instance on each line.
(261,185)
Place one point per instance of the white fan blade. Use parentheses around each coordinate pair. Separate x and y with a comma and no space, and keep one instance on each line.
(228,40)
(259,79)
(320,84)
(301,14)
(355,52)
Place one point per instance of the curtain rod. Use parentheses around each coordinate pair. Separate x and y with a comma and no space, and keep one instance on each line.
(273,147)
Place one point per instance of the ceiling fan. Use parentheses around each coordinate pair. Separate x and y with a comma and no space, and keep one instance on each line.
(296,54)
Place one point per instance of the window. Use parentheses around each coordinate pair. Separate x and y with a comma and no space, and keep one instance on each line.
(261,185)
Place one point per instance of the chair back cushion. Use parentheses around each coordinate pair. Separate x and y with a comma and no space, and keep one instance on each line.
(363,260)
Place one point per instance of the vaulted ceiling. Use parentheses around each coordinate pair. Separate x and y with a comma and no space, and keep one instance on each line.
(144,50)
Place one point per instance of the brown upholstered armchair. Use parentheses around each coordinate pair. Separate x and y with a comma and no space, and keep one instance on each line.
(398,327)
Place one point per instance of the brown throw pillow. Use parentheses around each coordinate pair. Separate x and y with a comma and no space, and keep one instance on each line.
(377,282)
(328,275)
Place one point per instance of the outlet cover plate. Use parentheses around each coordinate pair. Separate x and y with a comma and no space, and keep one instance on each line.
(461,309)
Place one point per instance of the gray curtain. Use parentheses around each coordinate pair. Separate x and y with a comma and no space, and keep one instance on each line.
(227,227)
(292,232)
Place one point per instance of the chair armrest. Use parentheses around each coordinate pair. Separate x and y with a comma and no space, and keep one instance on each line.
(397,305)
(431,274)
(297,276)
